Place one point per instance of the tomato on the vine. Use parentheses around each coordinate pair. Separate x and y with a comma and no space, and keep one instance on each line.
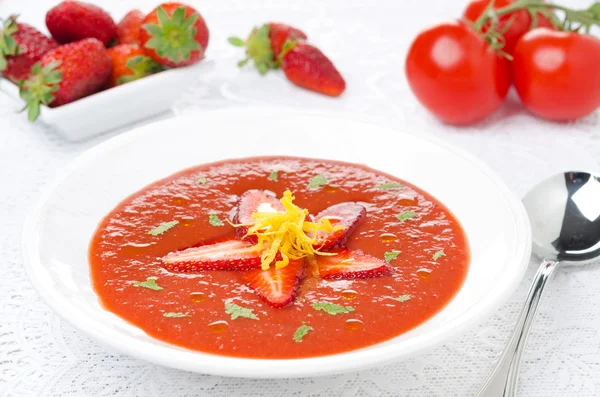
(514,25)
(557,74)
(456,74)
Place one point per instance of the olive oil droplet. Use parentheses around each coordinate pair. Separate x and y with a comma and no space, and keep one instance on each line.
(388,237)
(330,189)
(218,327)
(408,202)
(186,221)
(180,200)
(424,274)
(354,324)
(198,296)
(349,294)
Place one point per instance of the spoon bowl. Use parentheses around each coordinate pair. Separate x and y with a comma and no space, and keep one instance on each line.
(565,217)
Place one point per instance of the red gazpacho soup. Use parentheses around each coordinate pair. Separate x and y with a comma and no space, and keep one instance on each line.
(278,257)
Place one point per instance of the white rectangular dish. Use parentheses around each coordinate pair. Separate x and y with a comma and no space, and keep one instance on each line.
(117,106)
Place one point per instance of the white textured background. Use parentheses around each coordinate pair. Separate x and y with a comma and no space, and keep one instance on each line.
(41,355)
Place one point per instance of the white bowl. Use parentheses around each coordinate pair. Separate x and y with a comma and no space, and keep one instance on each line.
(59,228)
(117,106)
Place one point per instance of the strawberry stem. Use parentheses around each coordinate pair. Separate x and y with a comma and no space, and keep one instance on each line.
(8,45)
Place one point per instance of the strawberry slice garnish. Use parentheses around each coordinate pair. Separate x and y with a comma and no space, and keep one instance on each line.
(277,287)
(347,215)
(348,264)
(254,201)
(226,255)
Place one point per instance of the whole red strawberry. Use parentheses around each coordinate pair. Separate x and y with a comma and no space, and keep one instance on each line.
(128,30)
(21,46)
(66,74)
(307,67)
(74,20)
(129,63)
(174,34)
(279,33)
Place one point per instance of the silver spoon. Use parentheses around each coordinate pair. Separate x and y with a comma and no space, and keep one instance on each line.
(565,219)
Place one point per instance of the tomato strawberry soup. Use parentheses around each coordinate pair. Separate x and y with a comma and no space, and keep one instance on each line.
(278,257)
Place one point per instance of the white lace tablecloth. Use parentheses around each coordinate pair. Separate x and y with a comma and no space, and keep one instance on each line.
(41,355)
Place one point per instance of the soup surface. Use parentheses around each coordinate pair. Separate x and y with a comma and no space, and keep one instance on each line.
(409,229)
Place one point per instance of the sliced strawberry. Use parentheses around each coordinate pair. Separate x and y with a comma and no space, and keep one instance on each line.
(252,201)
(348,264)
(349,215)
(227,255)
(277,287)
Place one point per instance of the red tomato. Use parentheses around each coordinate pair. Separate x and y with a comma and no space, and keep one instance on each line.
(519,26)
(455,74)
(556,73)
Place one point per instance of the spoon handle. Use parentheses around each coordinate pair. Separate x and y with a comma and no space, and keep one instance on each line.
(503,380)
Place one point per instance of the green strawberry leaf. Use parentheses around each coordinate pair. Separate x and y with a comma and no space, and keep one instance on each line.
(40,88)
(174,36)
(236,41)
(258,49)
(8,45)
(141,66)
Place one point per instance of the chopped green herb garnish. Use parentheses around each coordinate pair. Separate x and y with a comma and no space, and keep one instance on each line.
(237,311)
(406,215)
(403,298)
(214,220)
(163,227)
(273,176)
(202,180)
(317,181)
(175,315)
(332,308)
(390,256)
(301,332)
(438,255)
(150,283)
(389,186)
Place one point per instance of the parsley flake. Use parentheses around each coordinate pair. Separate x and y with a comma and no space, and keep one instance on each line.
(390,256)
(406,215)
(403,298)
(389,186)
(332,308)
(202,180)
(438,255)
(317,181)
(175,315)
(301,332)
(150,283)
(214,220)
(273,176)
(237,311)
(163,227)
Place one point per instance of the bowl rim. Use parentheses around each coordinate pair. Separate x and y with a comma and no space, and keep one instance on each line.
(278,368)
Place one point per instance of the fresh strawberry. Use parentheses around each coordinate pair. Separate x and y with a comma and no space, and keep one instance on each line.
(279,33)
(129,63)
(174,35)
(252,201)
(21,46)
(73,20)
(307,67)
(65,74)
(348,215)
(347,264)
(128,30)
(227,255)
(264,44)
(277,287)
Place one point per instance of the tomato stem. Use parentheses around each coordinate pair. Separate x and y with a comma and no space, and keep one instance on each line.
(574,20)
